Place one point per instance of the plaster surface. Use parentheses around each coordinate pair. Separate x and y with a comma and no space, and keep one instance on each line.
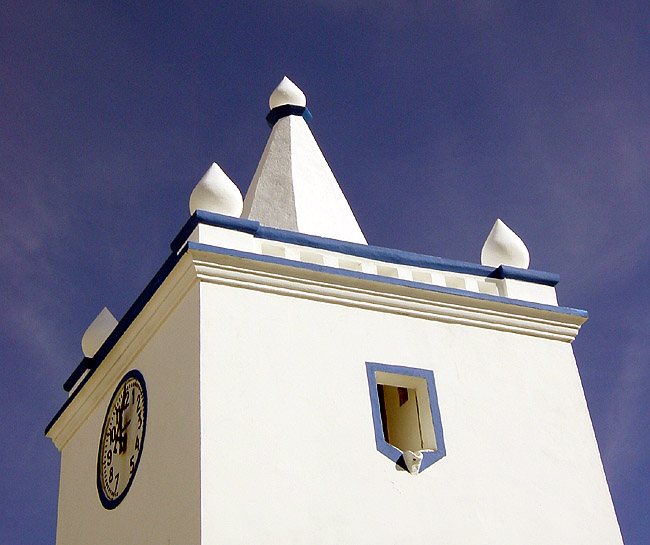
(522,463)
(260,424)
(163,503)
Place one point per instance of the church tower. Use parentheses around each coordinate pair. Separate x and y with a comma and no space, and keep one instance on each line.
(280,381)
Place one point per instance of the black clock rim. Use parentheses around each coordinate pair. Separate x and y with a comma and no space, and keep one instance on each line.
(107,502)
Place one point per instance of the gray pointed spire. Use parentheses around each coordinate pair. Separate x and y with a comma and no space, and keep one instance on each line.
(293,187)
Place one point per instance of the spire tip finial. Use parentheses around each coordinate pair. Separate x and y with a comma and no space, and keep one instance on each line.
(287,93)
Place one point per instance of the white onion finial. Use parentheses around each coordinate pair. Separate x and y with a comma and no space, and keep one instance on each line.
(97,332)
(215,192)
(504,247)
(287,92)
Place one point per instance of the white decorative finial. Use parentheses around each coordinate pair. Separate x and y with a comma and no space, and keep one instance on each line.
(287,93)
(215,192)
(413,461)
(97,332)
(504,247)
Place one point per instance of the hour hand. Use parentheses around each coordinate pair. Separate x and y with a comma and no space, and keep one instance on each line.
(121,436)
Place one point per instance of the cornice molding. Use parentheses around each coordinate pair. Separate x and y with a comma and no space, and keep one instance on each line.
(102,379)
(374,293)
(203,263)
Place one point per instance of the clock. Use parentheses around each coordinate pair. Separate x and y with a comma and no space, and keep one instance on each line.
(122,439)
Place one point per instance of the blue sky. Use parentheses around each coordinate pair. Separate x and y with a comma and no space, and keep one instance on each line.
(436,119)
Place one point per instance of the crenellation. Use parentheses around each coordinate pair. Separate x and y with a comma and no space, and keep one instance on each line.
(510,288)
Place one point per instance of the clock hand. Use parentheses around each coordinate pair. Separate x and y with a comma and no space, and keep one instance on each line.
(120,435)
(123,437)
(118,428)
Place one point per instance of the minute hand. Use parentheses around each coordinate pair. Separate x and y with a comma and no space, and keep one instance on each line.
(118,427)
(122,434)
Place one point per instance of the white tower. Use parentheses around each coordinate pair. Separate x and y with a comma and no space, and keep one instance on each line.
(279,381)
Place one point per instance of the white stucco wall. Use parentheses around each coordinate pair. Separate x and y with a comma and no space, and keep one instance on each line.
(260,428)
(163,504)
(288,448)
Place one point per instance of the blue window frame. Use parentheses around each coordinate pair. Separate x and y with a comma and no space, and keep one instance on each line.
(420,429)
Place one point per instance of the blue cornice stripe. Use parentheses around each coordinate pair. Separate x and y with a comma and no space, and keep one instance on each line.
(119,330)
(383,279)
(504,271)
(181,238)
(402,257)
(216,220)
(86,363)
(180,245)
(389,255)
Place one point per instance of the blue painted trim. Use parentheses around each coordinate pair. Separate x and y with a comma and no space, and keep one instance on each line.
(285,110)
(181,238)
(382,279)
(121,327)
(430,457)
(514,273)
(180,245)
(107,502)
(401,257)
(86,363)
(378,253)
(216,220)
(228,222)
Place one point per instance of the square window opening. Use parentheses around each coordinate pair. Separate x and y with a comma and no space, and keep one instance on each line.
(405,411)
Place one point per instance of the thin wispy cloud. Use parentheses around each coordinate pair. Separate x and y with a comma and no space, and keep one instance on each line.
(626,409)
(436,118)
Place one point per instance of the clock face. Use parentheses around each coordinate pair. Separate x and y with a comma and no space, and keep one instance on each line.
(122,439)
